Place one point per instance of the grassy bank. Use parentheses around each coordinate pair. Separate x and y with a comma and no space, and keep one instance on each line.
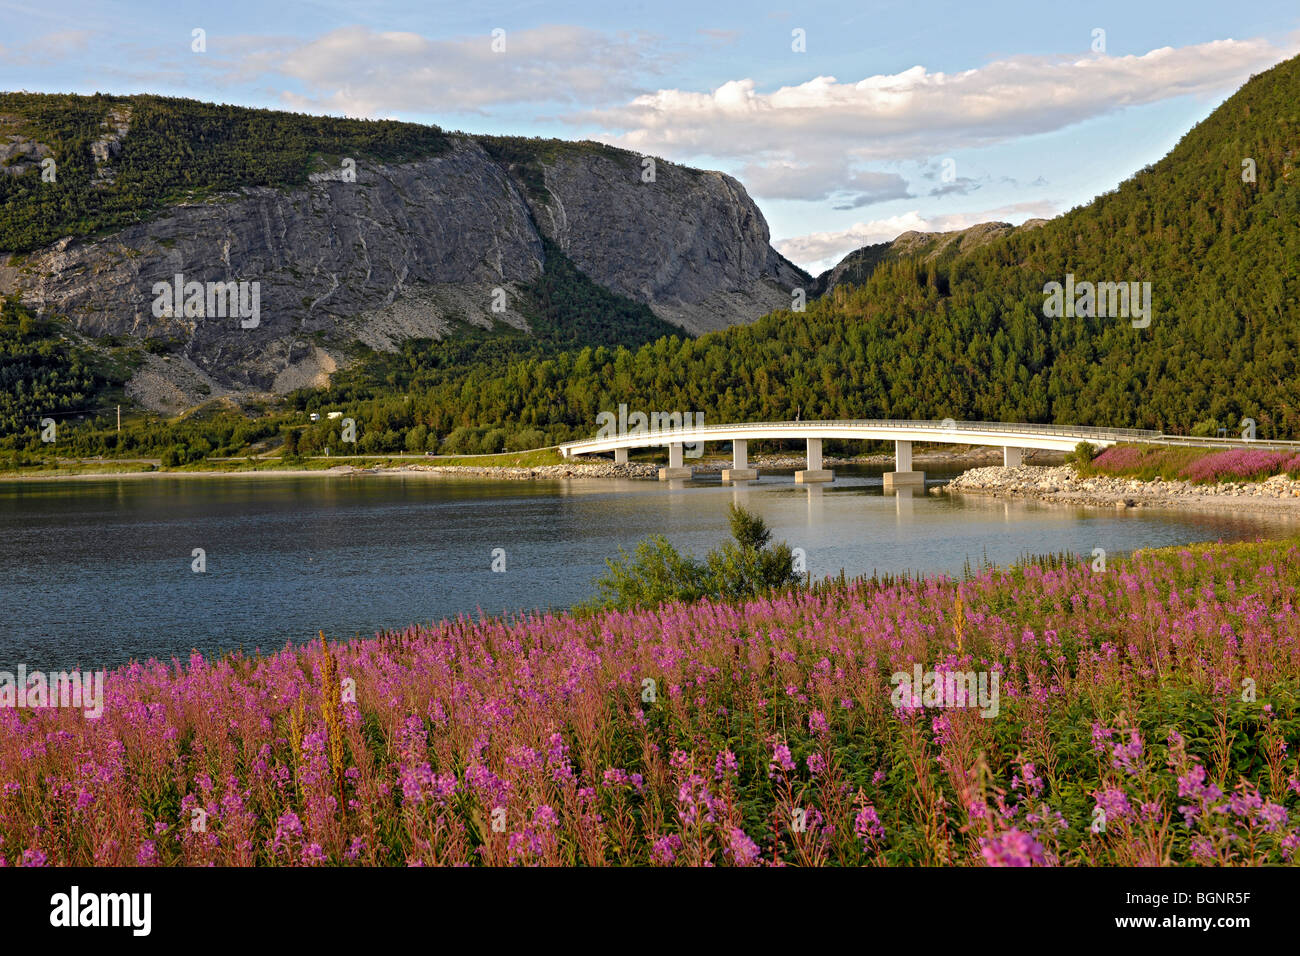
(1147,715)
(56,468)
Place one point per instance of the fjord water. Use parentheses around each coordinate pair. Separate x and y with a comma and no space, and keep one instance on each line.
(96,572)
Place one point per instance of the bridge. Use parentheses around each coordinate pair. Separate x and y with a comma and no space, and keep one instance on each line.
(1014,439)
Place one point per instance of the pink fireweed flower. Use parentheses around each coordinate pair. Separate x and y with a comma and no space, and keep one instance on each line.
(1012,848)
(314,855)
(781,760)
(664,850)
(1114,802)
(558,760)
(694,802)
(868,827)
(1029,779)
(615,777)
(740,848)
(724,764)
(1101,737)
(1128,756)
(287,830)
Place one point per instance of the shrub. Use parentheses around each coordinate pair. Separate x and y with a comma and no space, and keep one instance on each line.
(526,440)
(1083,453)
(461,441)
(741,568)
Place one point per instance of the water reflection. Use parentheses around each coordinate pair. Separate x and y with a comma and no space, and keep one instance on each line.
(98,571)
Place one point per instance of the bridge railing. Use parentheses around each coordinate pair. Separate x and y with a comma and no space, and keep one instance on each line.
(1206,441)
(1010,429)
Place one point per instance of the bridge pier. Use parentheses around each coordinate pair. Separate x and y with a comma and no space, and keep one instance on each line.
(620,456)
(1012,457)
(814,471)
(675,467)
(903,473)
(739,470)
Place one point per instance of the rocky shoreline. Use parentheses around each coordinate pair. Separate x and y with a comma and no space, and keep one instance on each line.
(1062,484)
(582,467)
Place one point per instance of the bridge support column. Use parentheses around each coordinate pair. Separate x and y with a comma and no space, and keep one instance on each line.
(675,468)
(903,475)
(814,471)
(620,456)
(739,470)
(1012,457)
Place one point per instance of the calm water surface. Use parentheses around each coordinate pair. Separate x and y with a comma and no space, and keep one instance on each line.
(96,572)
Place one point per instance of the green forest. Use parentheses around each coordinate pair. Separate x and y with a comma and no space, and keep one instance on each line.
(43,375)
(962,336)
(177,150)
(966,337)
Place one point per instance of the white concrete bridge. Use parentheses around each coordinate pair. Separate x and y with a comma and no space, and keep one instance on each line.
(1014,438)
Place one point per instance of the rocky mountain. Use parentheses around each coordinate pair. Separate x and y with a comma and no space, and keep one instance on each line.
(857,266)
(164,212)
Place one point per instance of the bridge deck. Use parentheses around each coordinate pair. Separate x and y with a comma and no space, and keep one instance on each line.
(1006,434)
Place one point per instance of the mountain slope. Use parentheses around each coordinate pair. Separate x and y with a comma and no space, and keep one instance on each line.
(857,266)
(968,337)
(355,232)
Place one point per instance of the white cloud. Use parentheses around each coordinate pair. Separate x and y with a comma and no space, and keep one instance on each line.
(362,72)
(833,179)
(912,114)
(824,124)
(819,251)
(50,48)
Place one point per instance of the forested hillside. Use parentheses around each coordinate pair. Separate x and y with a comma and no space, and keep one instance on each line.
(177,150)
(962,336)
(42,374)
(967,338)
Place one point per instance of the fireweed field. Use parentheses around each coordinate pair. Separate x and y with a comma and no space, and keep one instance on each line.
(1197,465)
(1147,715)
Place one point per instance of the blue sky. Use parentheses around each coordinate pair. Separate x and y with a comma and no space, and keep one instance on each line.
(893,116)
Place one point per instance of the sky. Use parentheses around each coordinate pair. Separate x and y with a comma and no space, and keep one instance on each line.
(848,122)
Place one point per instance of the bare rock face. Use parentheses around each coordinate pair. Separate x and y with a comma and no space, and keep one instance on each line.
(19,155)
(690,244)
(382,253)
(105,149)
(398,253)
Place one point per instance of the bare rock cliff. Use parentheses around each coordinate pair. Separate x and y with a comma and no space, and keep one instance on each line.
(400,251)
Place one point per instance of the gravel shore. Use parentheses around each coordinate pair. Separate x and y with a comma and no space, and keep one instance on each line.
(1062,484)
